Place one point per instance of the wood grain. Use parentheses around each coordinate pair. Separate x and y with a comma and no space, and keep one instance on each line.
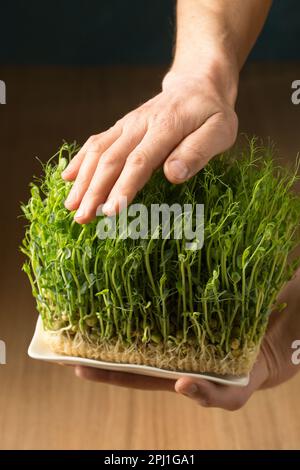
(44,406)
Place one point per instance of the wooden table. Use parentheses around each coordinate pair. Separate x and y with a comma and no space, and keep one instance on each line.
(44,406)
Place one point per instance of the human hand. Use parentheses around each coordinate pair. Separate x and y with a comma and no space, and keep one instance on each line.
(181,128)
(185,125)
(274,364)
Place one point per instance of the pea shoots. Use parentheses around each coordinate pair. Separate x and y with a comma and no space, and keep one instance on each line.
(151,301)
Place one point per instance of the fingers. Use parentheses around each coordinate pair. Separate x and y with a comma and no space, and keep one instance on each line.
(121,170)
(113,166)
(216,135)
(139,166)
(83,179)
(70,172)
(210,394)
(203,392)
(83,165)
(124,379)
(108,168)
(92,143)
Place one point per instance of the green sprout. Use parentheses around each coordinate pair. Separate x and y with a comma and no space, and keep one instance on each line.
(151,300)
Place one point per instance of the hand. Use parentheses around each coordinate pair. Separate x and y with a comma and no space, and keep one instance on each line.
(274,364)
(182,128)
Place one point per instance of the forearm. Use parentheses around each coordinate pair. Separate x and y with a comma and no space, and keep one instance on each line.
(217,35)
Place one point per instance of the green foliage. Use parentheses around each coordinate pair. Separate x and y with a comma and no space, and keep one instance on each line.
(155,290)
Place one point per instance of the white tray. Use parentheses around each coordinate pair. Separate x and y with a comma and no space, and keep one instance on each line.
(38,349)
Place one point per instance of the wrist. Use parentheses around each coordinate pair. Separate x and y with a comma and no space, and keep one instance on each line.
(214,69)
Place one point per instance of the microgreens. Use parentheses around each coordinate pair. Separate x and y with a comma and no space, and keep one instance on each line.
(142,293)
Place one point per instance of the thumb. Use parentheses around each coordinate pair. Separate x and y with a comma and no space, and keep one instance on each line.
(231,398)
(216,135)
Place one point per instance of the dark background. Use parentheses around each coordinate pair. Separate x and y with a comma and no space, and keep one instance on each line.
(104,32)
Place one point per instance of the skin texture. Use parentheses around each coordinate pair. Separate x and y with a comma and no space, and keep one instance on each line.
(190,121)
(274,364)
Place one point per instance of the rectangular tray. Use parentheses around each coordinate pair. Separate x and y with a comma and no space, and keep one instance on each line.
(38,349)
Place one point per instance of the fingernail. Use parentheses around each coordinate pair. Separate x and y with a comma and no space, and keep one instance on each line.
(178,169)
(69,200)
(65,172)
(191,390)
(79,213)
(109,208)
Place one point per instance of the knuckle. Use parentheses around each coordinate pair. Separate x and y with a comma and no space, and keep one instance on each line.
(131,116)
(93,139)
(132,121)
(228,121)
(232,124)
(139,158)
(95,142)
(108,160)
(118,124)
